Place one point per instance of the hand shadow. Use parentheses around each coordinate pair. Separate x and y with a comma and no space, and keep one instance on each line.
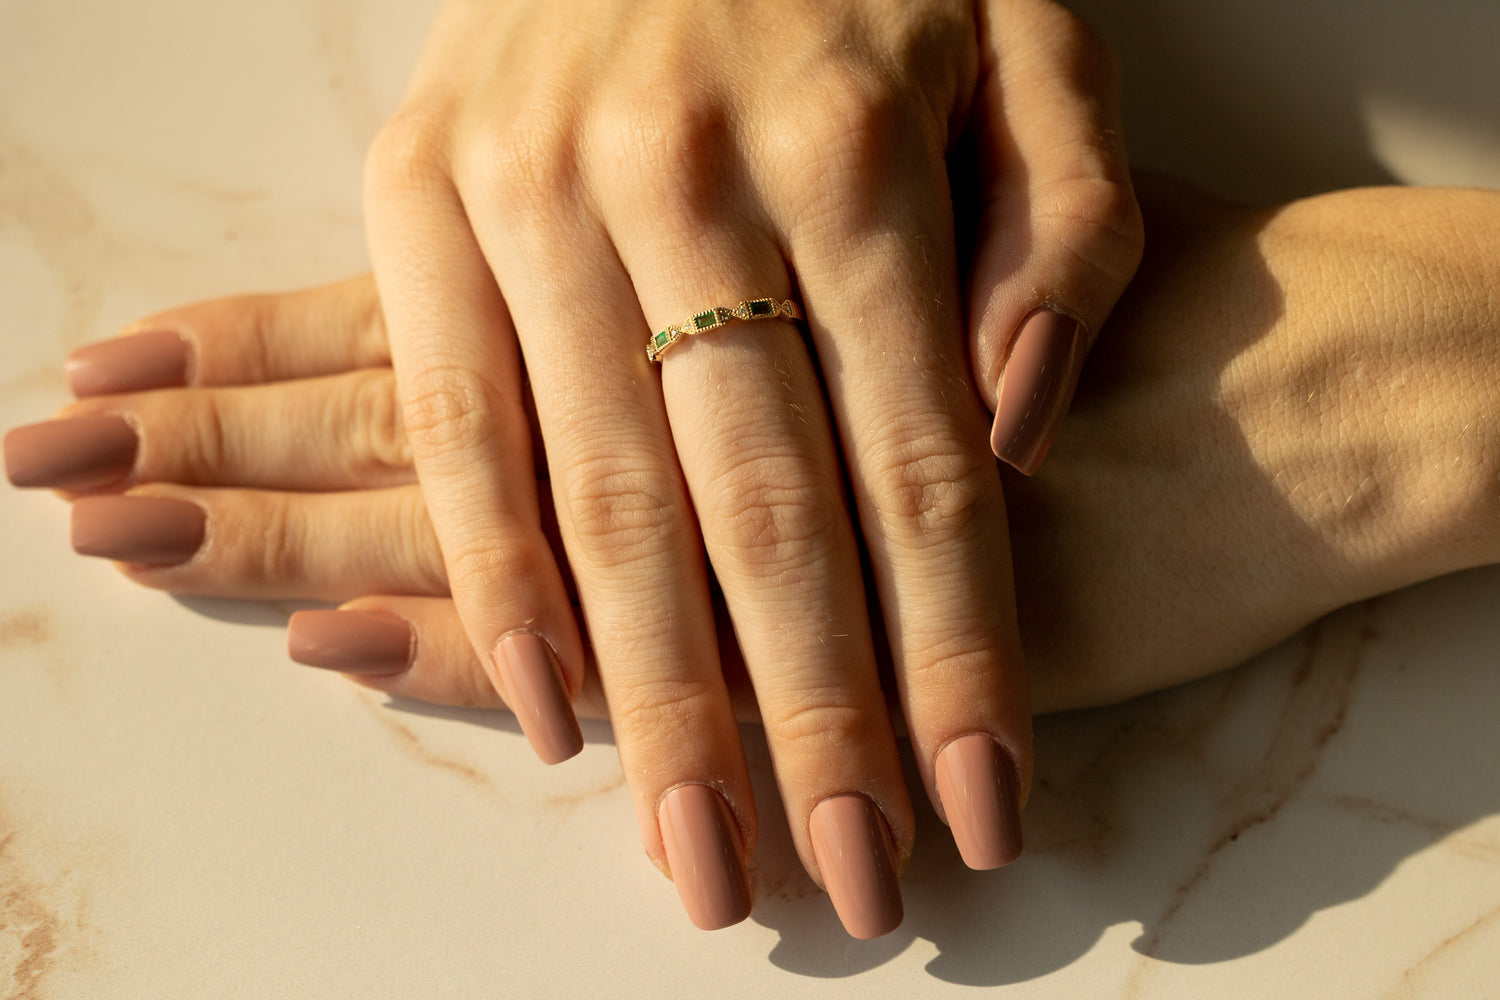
(1220,816)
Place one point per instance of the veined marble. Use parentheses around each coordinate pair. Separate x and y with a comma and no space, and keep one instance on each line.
(185,814)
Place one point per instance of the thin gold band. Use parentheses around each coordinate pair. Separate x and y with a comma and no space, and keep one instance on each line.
(712,319)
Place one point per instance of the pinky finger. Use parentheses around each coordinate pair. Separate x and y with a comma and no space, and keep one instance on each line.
(416,647)
(240,340)
(409,647)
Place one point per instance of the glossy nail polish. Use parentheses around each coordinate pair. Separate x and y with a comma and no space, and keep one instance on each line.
(156,359)
(81,453)
(351,642)
(706,856)
(976,782)
(153,531)
(858,861)
(532,685)
(1037,387)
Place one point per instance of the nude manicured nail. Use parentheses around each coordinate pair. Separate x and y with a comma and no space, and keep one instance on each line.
(156,359)
(858,861)
(706,856)
(155,531)
(976,782)
(351,642)
(83,453)
(534,690)
(1037,387)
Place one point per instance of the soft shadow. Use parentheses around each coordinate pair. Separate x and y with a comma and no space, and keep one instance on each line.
(594,731)
(271,614)
(1269,101)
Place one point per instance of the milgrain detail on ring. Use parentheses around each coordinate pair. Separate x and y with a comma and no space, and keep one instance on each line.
(712,319)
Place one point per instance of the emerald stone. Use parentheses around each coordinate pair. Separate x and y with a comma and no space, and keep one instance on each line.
(762,307)
(662,339)
(706,320)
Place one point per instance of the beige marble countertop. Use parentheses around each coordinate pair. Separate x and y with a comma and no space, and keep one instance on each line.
(185,814)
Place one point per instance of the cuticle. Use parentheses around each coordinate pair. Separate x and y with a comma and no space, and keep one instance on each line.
(719,789)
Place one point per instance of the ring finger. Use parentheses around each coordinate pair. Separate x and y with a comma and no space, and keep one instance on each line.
(753,436)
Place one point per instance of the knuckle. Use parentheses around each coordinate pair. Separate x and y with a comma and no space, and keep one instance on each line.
(821,722)
(408,154)
(373,415)
(618,508)
(1096,219)
(281,544)
(858,132)
(499,555)
(927,489)
(954,658)
(207,448)
(665,709)
(674,142)
(771,515)
(418,546)
(447,408)
(531,166)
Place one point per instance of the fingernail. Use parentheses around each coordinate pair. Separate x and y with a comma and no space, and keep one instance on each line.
(155,531)
(83,453)
(351,642)
(157,359)
(854,851)
(534,690)
(705,855)
(976,782)
(1036,388)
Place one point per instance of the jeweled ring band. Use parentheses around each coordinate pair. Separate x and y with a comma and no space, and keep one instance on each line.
(712,319)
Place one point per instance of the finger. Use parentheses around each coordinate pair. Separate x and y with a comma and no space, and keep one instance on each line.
(241,340)
(1059,234)
(926,487)
(753,435)
(416,647)
(334,433)
(261,545)
(460,385)
(408,647)
(627,525)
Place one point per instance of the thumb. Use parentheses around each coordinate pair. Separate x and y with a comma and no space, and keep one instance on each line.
(1059,234)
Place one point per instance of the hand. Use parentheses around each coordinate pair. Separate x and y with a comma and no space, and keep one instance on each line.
(568,178)
(1194,515)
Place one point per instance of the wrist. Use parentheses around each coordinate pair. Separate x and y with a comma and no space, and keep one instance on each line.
(1386,437)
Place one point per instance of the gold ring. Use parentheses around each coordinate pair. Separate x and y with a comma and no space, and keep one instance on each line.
(712,319)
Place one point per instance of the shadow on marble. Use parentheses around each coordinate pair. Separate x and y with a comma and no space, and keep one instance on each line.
(1196,813)
(1132,822)
(267,614)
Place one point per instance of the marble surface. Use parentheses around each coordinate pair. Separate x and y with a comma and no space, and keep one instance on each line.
(184,813)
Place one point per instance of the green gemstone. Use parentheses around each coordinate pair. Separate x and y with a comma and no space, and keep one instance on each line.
(762,307)
(706,320)
(662,339)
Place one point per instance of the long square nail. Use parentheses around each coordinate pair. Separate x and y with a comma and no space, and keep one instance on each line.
(1037,387)
(976,783)
(853,846)
(351,642)
(706,856)
(532,685)
(153,531)
(155,359)
(81,453)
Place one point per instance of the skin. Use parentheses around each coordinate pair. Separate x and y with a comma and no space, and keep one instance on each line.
(564,179)
(1226,475)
